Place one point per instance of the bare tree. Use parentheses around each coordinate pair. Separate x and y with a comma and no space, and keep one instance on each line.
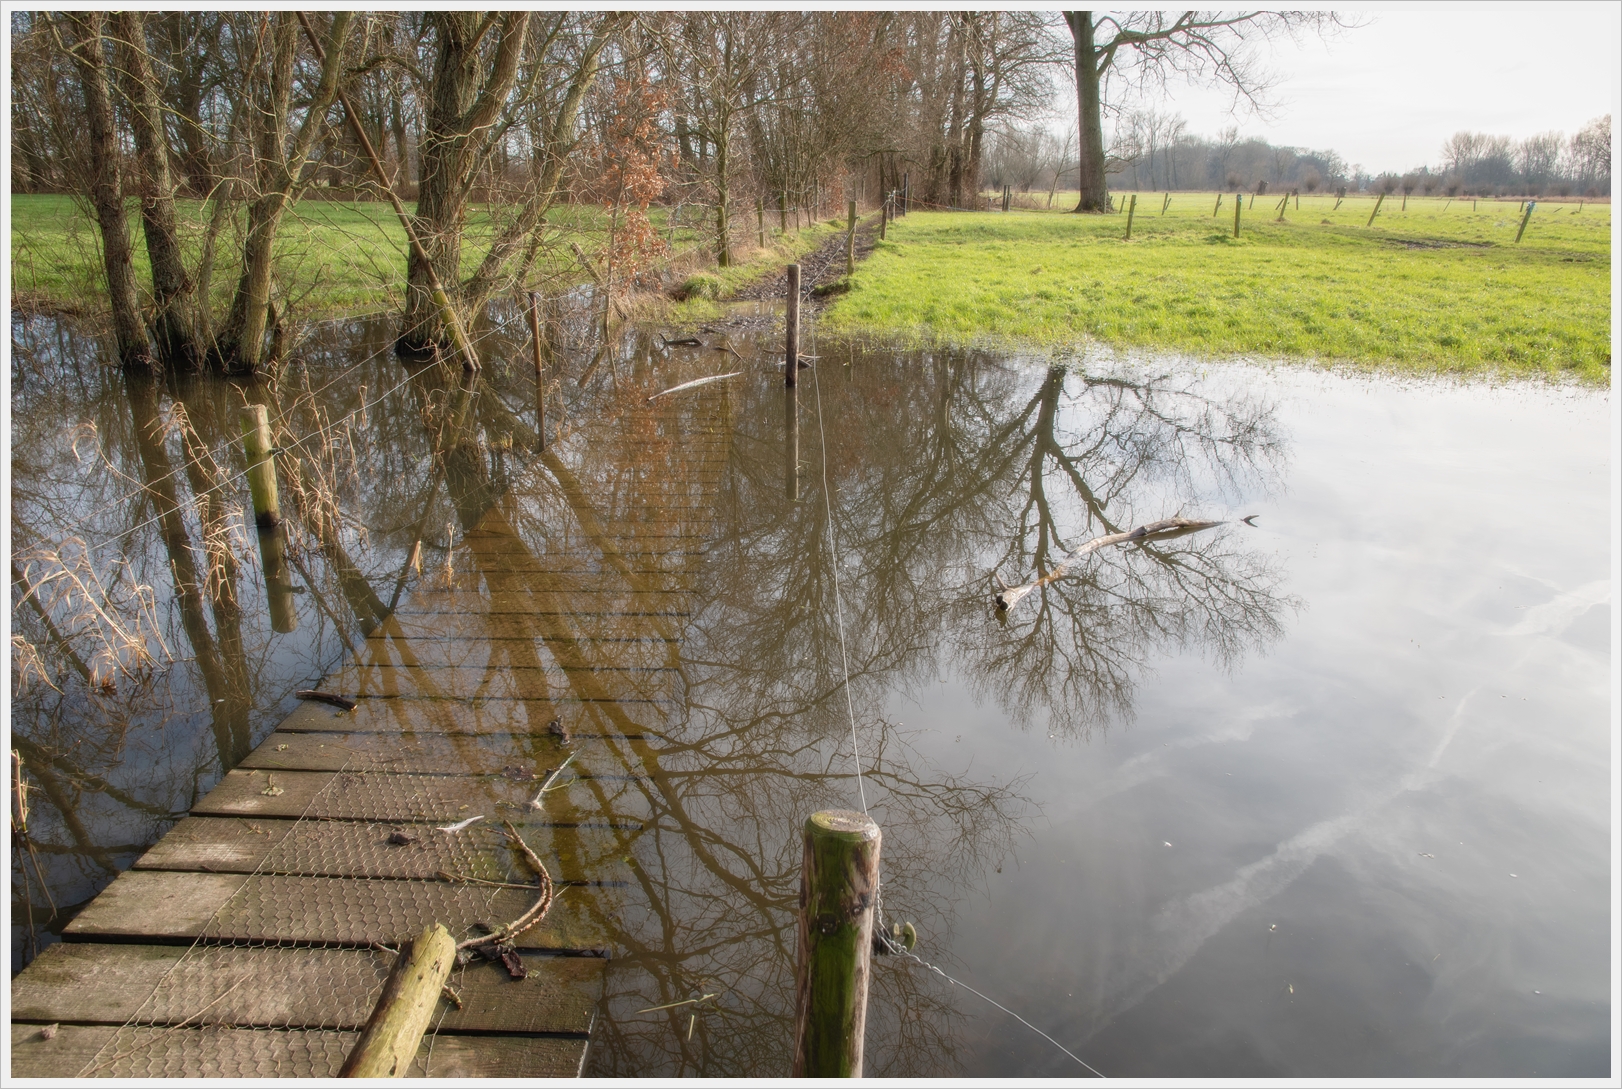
(1149,47)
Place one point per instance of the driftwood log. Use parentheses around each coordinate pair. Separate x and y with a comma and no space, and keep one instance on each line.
(1007,596)
(410,995)
(693,383)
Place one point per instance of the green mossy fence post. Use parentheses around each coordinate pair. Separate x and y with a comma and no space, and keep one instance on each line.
(760,222)
(267,512)
(850,238)
(1131,210)
(884,218)
(1165,203)
(791,333)
(839,884)
(1238,203)
(1217,210)
(393,1033)
(540,368)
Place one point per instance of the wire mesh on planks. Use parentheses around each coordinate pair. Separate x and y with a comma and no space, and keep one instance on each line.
(286,970)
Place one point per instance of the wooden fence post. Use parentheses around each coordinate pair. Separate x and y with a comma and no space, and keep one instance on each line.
(1218,208)
(884,218)
(850,239)
(1525,219)
(1131,210)
(261,466)
(906,193)
(1238,203)
(393,1033)
(1165,203)
(1377,202)
(791,321)
(540,367)
(760,222)
(839,884)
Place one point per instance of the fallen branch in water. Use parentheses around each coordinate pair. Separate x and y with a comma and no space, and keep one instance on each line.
(326,697)
(695,382)
(537,911)
(1008,596)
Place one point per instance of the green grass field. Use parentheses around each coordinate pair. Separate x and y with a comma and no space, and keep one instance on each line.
(338,257)
(332,257)
(1438,288)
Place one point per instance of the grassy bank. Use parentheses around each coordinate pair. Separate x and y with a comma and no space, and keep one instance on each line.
(332,257)
(1436,288)
(337,257)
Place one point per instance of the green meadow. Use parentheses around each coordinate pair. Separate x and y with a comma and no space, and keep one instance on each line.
(1440,287)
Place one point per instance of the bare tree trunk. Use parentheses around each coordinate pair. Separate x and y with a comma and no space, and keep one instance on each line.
(106,194)
(1089,106)
(174,323)
(278,168)
(461,107)
(723,246)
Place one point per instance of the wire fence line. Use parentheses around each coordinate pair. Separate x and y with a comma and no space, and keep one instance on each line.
(878,909)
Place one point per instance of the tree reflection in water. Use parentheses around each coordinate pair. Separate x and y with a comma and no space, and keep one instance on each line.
(726,715)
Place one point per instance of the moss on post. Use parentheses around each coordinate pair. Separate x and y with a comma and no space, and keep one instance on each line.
(839,885)
(393,1033)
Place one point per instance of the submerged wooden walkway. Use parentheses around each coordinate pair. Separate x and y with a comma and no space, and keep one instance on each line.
(246,941)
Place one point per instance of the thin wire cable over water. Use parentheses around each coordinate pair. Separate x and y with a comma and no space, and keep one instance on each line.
(839,615)
(833,551)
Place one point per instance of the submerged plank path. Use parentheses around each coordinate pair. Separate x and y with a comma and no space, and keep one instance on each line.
(248,941)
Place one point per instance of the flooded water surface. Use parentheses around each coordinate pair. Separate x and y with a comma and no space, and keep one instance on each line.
(1321,790)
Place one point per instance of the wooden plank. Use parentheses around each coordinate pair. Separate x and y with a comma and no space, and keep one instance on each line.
(629,718)
(296,1053)
(289,987)
(161,905)
(477,754)
(641,673)
(573,855)
(373,796)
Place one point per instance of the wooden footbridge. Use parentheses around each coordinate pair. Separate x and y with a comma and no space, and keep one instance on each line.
(253,939)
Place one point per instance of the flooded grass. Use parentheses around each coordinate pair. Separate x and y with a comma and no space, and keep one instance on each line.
(1440,288)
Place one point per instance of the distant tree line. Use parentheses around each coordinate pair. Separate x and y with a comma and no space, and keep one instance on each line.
(1154,150)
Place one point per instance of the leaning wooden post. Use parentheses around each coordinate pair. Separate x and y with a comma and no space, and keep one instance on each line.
(261,466)
(839,884)
(1218,207)
(1131,210)
(850,239)
(1377,202)
(791,336)
(1238,203)
(393,1033)
(540,368)
(1165,203)
(1525,219)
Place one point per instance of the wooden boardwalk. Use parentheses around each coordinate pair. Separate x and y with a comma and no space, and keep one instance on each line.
(246,941)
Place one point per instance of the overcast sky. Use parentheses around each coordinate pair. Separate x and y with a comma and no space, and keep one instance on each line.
(1387,93)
